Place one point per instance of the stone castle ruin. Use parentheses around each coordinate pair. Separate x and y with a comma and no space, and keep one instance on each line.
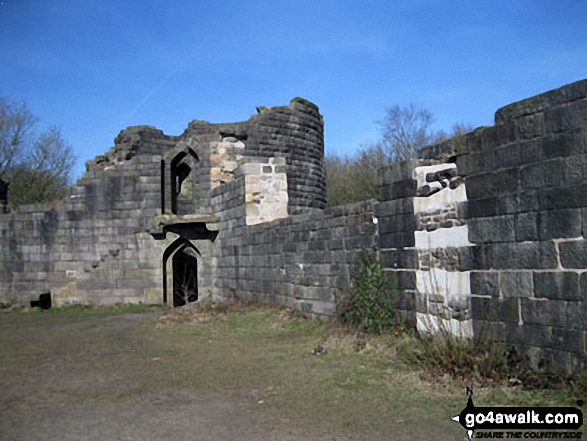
(482,234)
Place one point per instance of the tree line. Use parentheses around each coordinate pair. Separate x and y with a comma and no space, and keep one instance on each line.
(404,130)
(35,166)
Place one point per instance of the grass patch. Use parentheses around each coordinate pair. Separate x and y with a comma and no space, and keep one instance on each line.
(82,309)
(259,359)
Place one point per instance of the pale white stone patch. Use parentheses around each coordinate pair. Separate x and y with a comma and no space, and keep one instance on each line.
(266,196)
(431,324)
(442,238)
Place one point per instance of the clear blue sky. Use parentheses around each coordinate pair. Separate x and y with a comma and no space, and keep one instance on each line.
(95,67)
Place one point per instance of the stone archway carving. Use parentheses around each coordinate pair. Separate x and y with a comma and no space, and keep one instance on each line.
(180,272)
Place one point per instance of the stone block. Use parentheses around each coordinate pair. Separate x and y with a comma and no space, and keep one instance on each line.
(464,256)
(396,240)
(526,227)
(403,280)
(529,151)
(523,255)
(505,157)
(537,336)
(575,168)
(397,172)
(494,309)
(544,312)
(485,331)
(568,340)
(566,118)
(481,256)
(573,254)
(97,283)
(394,207)
(557,285)
(484,283)
(530,126)
(515,284)
(492,184)
(577,315)
(400,223)
(398,190)
(400,258)
(475,163)
(545,174)
(505,132)
(492,206)
(491,229)
(564,197)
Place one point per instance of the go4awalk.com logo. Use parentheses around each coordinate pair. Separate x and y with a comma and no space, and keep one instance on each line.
(520,422)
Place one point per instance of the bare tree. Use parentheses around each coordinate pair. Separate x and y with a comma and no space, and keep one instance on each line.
(15,123)
(405,130)
(36,167)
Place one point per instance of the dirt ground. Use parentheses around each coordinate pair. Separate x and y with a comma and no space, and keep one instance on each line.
(129,376)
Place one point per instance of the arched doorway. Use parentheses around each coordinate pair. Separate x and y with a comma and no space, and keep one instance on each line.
(180,272)
(183,181)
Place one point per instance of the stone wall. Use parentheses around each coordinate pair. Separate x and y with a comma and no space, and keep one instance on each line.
(91,248)
(115,237)
(483,235)
(302,261)
(512,243)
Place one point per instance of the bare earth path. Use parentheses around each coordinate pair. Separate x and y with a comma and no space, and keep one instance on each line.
(119,376)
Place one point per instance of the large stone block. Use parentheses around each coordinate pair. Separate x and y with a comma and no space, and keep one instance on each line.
(396,240)
(526,227)
(516,283)
(544,312)
(475,163)
(536,335)
(544,174)
(505,157)
(398,190)
(544,225)
(523,255)
(577,315)
(573,254)
(565,118)
(575,168)
(494,309)
(557,285)
(564,197)
(492,206)
(530,126)
(491,184)
(484,283)
(400,258)
(568,340)
(491,229)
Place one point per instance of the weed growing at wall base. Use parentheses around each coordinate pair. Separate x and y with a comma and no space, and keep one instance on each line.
(369,304)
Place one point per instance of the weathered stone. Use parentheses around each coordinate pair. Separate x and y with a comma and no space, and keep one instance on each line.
(557,285)
(573,254)
(516,284)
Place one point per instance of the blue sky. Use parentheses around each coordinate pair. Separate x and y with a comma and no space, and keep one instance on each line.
(93,68)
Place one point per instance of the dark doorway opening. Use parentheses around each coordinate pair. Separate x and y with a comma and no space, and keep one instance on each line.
(180,272)
(185,277)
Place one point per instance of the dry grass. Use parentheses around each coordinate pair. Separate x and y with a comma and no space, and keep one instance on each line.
(254,355)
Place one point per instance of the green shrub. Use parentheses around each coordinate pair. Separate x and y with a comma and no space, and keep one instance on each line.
(369,304)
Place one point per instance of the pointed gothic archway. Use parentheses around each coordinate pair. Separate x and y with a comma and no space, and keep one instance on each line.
(183,181)
(180,272)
